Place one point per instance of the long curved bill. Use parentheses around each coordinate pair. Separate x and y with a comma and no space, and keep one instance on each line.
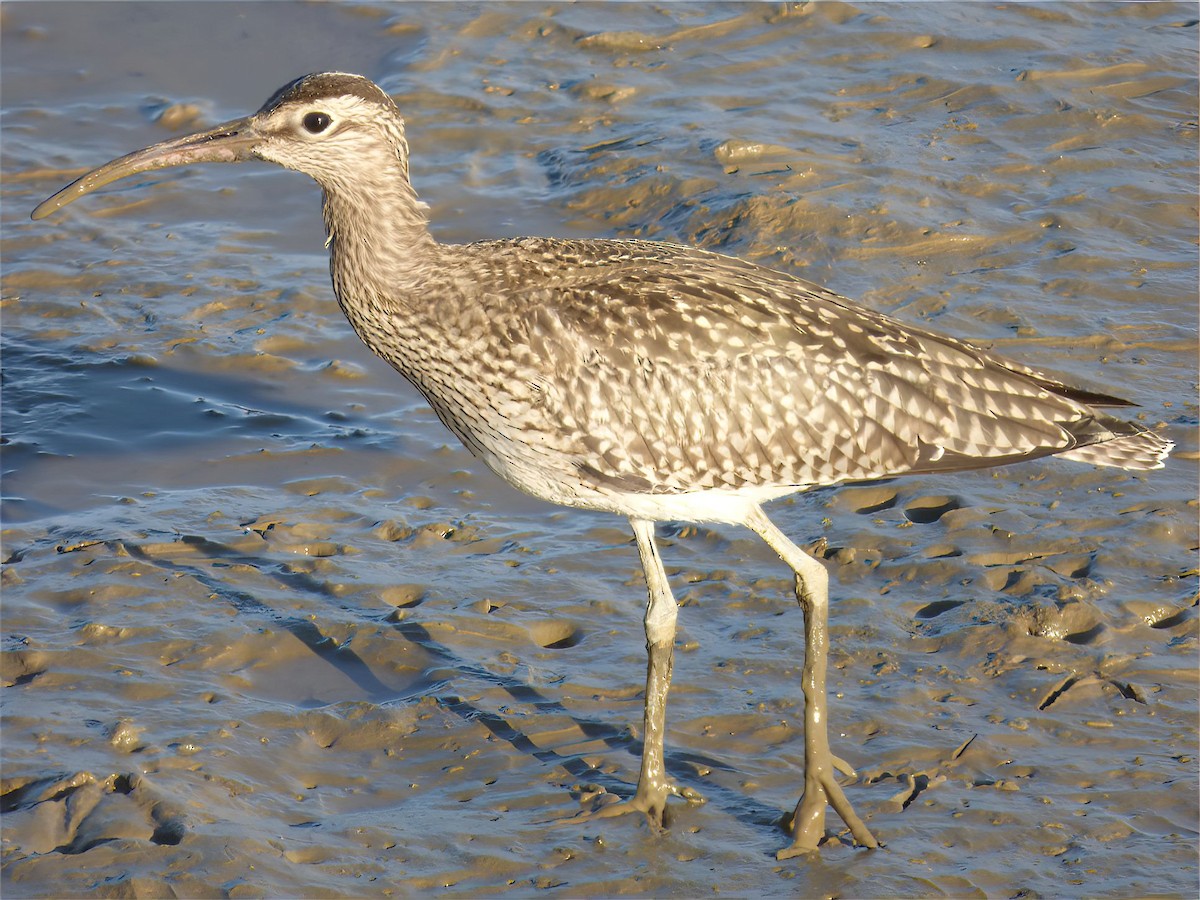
(232,141)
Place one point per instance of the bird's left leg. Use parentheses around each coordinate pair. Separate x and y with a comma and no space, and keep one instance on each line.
(661,612)
(820,787)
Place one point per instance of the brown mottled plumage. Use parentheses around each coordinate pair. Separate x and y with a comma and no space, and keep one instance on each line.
(649,379)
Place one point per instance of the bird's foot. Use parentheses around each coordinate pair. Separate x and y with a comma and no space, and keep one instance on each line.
(648,799)
(808,821)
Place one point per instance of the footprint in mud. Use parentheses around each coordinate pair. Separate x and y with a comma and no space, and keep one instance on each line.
(22,666)
(869,500)
(930,509)
(1081,686)
(935,609)
(920,511)
(73,814)
(1075,623)
(403,596)
(555,635)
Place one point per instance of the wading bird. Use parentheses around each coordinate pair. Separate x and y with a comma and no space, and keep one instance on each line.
(649,379)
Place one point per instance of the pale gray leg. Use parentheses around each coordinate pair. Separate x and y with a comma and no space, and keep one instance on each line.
(820,787)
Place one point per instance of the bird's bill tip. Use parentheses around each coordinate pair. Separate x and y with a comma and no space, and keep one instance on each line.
(229,142)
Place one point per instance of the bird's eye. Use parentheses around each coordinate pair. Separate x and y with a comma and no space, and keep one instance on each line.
(316,122)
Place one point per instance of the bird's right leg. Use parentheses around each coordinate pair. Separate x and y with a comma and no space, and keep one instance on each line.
(653,787)
(820,787)
(661,613)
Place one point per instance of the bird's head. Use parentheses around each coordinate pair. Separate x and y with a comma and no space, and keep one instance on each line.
(331,126)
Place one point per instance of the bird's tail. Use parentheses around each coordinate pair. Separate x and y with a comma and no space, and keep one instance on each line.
(1124,447)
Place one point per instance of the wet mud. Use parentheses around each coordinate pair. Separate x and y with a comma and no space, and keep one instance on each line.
(269,631)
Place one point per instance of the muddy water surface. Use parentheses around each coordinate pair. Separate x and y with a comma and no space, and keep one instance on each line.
(268,631)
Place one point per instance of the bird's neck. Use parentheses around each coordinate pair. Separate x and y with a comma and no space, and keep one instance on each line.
(384,263)
(378,238)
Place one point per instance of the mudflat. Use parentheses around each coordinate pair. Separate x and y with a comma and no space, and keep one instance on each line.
(268,630)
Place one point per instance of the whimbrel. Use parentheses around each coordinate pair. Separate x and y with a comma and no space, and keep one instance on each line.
(649,379)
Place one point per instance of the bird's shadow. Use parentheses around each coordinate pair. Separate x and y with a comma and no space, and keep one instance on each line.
(345,660)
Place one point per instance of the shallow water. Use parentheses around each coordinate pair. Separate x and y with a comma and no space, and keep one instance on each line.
(268,631)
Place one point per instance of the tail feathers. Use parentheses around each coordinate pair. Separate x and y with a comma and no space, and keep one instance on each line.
(1126,448)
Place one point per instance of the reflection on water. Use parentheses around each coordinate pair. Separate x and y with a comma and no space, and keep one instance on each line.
(268,629)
